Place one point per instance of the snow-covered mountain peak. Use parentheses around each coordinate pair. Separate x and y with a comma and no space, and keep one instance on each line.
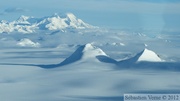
(71,16)
(144,56)
(91,51)
(55,15)
(23,18)
(89,47)
(148,55)
(88,53)
(54,22)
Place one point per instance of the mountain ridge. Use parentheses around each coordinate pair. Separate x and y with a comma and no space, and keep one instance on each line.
(29,24)
(88,52)
(147,55)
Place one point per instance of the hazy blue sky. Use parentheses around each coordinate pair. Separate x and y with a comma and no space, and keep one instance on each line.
(129,14)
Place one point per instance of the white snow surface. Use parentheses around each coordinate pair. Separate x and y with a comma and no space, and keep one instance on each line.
(23,78)
(148,55)
(88,54)
(90,51)
(56,63)
(28,43)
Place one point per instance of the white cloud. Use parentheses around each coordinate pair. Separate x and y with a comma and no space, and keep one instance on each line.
(12,10)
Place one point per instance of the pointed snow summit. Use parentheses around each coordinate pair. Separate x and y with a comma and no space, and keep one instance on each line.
(23,20)
(87,53)
(147,55)
(67,21)
(75,22)
(146,58)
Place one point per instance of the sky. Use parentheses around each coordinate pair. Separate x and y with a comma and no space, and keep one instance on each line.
(122,14)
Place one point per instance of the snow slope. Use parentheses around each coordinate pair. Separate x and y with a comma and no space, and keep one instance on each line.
(88,53)
(32,83)
(63,67)
(148,60)
(144,56)
(26,24)
(147,55)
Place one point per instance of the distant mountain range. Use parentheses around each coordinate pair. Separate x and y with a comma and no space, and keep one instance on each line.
(26,24)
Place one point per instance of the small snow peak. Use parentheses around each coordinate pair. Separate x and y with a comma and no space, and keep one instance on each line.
(23,18)
(148,55)
(88,52)
(55,15)
(146,50)
(92,51)
(70,15)
(89,46)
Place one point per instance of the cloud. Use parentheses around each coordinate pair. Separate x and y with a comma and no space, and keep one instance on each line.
(14,10)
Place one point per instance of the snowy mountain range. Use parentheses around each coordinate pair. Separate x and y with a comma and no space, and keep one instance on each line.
(90,57)
(26,24)
(89,52)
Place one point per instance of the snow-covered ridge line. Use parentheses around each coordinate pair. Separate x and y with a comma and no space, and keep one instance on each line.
(26,24)
(89,52)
